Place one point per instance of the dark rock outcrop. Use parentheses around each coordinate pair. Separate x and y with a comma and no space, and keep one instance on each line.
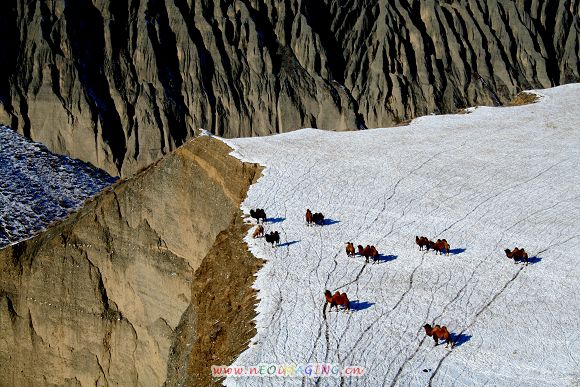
(120,83)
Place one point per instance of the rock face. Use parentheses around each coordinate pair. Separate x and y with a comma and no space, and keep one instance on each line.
(96,299)
(120,83)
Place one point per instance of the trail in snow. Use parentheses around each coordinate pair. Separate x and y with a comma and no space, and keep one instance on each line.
(492,179)
(38,187)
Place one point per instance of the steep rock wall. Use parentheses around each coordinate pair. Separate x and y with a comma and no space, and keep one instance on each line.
(120,83)
(96,299)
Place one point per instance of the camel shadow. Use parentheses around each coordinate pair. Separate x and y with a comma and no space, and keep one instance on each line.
(287,243)
(456,251)
(360,305)
(533,260)
(459,339)
(382,258)
(275,220)
(328,222)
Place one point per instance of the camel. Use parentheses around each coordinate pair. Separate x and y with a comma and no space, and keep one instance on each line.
(258,214)
(422,242)
(517,255)
(308,217)
(365,252)
(273,238)
(439,333)
(441,246)
(258,232)
(318,218)
(337,299)
(350,249)
(374,254)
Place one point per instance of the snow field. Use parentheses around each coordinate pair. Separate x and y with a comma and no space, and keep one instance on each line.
(492,179)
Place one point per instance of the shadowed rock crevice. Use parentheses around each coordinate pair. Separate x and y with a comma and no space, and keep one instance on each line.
(164,45)
(207,68)
(87,43)
(9,47)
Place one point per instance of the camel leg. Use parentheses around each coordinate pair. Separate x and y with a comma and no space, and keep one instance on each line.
(436,340)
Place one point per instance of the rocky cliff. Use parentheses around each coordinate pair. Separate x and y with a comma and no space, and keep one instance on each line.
(120,83)
(107,295)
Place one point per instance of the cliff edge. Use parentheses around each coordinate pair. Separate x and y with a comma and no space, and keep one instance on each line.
(103,297)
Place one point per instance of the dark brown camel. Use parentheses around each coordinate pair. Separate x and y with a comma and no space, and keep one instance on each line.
(422,242)
(517,255)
